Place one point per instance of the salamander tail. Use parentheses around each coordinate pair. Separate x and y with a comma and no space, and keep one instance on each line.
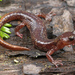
(12,47)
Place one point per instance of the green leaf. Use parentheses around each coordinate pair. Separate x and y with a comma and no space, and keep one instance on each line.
(0,0)
(7,25)
(5,29)
(4,35)
(1,35)
(0,16)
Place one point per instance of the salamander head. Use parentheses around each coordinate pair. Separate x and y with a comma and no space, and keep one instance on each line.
(68,38)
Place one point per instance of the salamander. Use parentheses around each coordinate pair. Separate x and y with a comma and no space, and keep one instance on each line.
(38,34)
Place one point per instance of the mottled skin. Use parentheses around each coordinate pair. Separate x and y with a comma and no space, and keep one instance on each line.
(38,34)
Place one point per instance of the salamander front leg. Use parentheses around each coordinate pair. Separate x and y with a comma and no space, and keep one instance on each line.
(18,28)
(55,62)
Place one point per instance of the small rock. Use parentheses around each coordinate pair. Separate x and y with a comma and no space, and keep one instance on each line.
(54,3)
(67,21)
(57,25)
(57,11)
(72,10)
(70,49)
(62,23)
(70,2)
(31,69)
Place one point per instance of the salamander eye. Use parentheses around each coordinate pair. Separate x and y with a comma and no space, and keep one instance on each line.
(71,38)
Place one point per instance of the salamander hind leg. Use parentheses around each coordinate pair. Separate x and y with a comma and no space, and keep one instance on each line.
(41,15)
(55,62)
(46,16)
(18,28)
(49,16)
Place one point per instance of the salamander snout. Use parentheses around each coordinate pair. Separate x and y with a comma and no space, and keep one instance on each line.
(68,38)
